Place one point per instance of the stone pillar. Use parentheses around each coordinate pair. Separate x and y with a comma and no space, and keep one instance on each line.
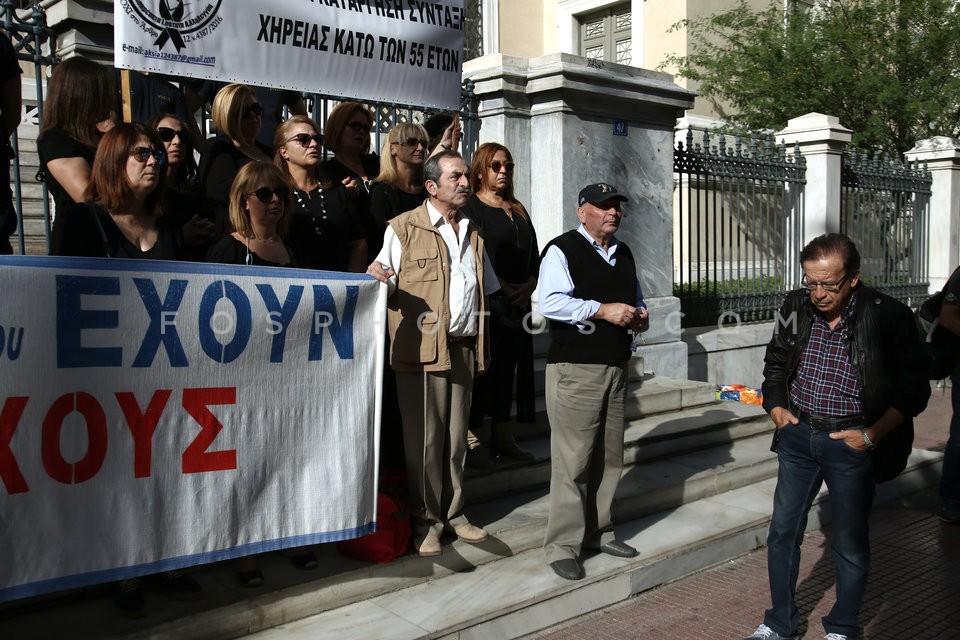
(822,140)
(942,157)
(82,28)
(570,122)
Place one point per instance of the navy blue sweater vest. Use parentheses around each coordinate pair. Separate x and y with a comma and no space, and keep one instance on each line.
(594,279)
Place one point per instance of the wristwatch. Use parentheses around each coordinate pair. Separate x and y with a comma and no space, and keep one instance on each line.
(871,445)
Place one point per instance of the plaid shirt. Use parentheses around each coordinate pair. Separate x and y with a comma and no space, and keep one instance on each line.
(826,383)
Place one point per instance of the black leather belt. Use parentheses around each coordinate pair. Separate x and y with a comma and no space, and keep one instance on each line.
(827,423)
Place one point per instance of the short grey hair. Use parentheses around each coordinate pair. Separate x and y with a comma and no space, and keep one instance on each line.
(431,168)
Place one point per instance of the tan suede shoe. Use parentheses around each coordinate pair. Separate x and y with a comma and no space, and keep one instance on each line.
(430,546)
(470,533)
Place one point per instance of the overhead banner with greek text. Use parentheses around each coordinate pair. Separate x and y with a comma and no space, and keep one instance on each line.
(157,415)
(399,51)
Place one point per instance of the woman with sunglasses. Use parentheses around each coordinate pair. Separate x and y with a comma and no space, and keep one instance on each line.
(400,186)
(79,109)
(259,205)
(184,201)
(121,214)
(511,243)
(237,116)
(325,230)
(347,134)
(259,215)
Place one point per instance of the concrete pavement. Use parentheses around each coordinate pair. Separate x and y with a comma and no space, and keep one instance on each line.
(724,602)
(913,590)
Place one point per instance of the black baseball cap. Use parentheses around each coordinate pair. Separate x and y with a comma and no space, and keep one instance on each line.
(594,193)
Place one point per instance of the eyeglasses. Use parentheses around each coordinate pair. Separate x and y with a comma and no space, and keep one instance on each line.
(265,194)
(358,126)
(143,154)
(303,139)
(831,287)
(254,109)
(413,142)
(167,134)
(496,165)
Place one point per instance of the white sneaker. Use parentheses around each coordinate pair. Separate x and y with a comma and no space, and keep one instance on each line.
(835,636)
(764,632)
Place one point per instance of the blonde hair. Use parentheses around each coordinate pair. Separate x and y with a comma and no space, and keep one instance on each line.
(388,165)
(248,178)
(227,109)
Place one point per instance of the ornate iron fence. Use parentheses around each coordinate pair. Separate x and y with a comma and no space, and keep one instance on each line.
(29,34)
(885,209)
(737,223)
(388,115)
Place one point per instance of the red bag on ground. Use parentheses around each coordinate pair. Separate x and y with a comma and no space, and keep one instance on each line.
(392,537)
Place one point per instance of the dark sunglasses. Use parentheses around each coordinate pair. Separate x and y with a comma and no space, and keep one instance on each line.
(413,142)
(253,109)
(143,154)
(167,134)
(359,126)
(303,139)
(496,165)
(265,194)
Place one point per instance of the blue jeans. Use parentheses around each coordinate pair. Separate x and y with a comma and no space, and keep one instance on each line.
(950,475)
(807,459)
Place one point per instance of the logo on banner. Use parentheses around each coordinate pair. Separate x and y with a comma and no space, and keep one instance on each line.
(175,22)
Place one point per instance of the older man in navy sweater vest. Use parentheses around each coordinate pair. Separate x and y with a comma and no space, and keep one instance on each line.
(590,294)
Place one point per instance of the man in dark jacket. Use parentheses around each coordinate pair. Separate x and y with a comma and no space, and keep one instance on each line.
(950,471)
(844,373)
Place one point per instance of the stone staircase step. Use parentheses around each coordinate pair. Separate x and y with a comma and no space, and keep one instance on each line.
(684,514)
(656,395)
(692,429)
(31,193)
(648,438)
(520,595)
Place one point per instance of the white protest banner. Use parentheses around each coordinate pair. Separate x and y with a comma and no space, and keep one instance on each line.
(156,415)
(396,51)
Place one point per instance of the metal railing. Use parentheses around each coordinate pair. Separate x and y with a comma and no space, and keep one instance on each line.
(737,222)
(885,210)
(388,115)
(28,32)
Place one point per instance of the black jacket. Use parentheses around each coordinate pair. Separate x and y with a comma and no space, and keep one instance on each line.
(885,351)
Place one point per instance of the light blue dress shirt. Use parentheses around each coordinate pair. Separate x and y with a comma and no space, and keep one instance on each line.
(556,285)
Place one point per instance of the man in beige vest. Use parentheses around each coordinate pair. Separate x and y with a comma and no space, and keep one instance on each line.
(438,273)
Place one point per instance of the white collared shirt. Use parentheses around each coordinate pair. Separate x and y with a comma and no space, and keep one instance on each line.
(464,293)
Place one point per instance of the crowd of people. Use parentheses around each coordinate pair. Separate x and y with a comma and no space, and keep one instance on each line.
(313,197)
(453,239)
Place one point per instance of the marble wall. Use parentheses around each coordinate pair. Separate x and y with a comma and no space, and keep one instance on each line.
(570,122)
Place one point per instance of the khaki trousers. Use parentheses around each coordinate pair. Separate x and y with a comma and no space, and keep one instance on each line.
(586,405)
(435,409)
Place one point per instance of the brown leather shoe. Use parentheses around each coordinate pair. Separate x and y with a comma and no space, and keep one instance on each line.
(430,546)
(470,533)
